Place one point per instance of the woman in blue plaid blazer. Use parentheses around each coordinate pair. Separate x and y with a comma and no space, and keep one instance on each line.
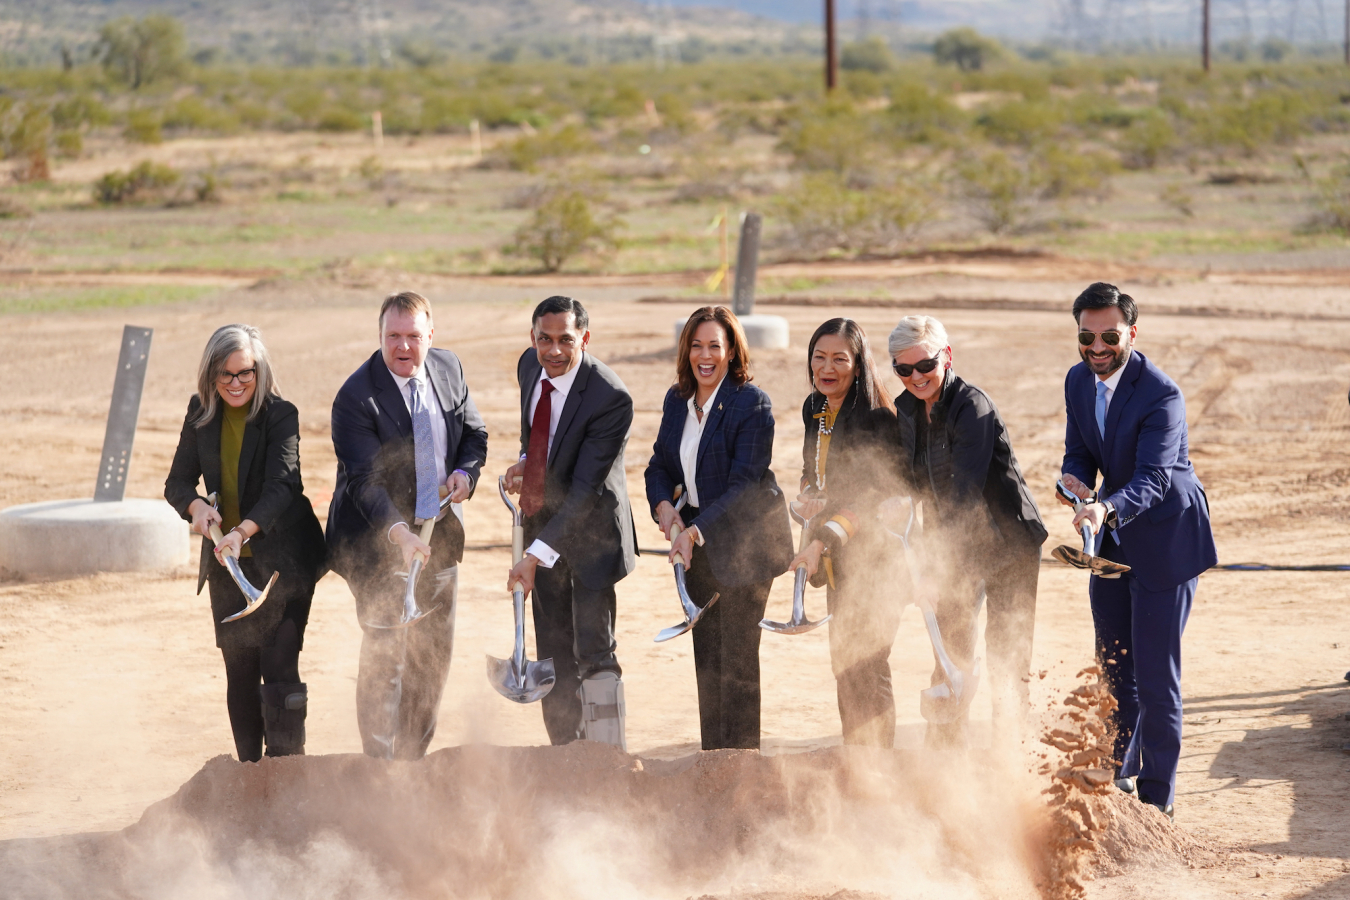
(716,440)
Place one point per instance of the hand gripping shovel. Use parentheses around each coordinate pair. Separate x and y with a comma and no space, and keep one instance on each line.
(1085,559)
(946,702)
(805,512)
(253,597)
(691,612)
(517,678)
(411,613)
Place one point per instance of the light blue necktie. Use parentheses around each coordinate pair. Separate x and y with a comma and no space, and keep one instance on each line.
(1101,409)
(424,448)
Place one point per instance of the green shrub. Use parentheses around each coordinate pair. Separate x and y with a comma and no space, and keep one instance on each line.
(918,114)
(146,182)
(1175,196)
(1020,122)
(528,151)
(1271,117)
(338,119)
(1071,172)
(966,49)
(144,127)
(80,111)
(195,114)
(139,52)
(69,144)
(1149,140)
(870,55)
(28,140)
(1000,191)
(1332,198)
(825,214)
(832,137)
(563,226)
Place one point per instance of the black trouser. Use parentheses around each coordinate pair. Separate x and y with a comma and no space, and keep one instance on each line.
(402,671)
(245,669)
(1010,592)
(574,626)
(865,614)
(726,657)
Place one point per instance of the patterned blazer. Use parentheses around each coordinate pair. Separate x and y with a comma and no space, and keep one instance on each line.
(743,518)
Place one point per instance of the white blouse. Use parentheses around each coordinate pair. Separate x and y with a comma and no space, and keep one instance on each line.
(689,441)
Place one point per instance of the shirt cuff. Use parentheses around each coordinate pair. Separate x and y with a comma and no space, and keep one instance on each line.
(546,555)
(1112,519)
(696,533)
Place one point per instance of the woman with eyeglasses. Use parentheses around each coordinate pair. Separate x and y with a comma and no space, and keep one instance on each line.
(716,442)
(980,521)
(243,442)
(847,458)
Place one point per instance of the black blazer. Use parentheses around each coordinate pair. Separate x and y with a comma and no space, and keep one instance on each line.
(743,518)
(586,516)
(271,493)
(376,470)
(972,475)
(860,470)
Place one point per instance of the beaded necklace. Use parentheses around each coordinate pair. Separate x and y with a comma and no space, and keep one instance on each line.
(823,431)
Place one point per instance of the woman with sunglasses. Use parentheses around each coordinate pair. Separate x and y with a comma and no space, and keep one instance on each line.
(243,441)
(716,441)
(847,458)
(980,521)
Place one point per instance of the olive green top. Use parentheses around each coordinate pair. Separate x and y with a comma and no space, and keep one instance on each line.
(232,424)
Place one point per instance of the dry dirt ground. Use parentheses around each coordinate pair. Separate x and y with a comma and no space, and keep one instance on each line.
(113,694)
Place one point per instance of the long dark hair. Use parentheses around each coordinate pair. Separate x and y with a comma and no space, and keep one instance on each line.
(866,382)
(738,367)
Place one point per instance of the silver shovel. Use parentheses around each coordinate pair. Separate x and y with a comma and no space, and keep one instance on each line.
(946,702)
(805,512)
(692,613)
(411,613)
(518,678)
(1085,558)
(253,597)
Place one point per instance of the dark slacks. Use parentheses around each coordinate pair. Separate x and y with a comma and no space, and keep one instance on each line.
(726,657)
(403,671)
(248,667)
(1140,631)
(865,609)
(573,625)
(1010,595)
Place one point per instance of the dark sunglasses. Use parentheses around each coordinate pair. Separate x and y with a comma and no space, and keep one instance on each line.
(904,370)
(1109,338)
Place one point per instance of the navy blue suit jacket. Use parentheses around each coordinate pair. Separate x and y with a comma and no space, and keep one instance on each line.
(743,517)
(376,469)
(1163,515)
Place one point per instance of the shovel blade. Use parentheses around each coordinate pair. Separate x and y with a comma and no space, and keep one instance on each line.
(252,604)
(690,621)
(794,627)
(522,687)
(403,623)
(1102,568)
(945,703)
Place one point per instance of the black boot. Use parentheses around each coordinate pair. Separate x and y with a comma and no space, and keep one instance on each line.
(283,707)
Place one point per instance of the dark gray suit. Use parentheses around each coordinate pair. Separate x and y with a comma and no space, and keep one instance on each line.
(587,519)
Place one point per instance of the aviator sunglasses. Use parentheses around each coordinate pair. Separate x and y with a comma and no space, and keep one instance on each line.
(904,370)
(1109,338)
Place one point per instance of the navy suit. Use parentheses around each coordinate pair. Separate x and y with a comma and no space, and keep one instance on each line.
(747,543)
(401,672)
(1163,533)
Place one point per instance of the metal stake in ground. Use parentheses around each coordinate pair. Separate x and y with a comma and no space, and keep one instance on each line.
(518,678)
(747,264)
(123,411)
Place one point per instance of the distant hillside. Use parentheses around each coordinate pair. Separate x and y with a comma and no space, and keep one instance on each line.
(358,31)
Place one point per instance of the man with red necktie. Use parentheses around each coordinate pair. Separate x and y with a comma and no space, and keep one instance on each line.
(574,418)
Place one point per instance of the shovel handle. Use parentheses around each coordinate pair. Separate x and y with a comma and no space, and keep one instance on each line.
(517,552)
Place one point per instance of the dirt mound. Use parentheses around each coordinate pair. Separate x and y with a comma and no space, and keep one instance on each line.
(578,821)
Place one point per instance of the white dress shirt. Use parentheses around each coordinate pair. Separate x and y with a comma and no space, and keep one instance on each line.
(562,386)
(440,436)
(689,442)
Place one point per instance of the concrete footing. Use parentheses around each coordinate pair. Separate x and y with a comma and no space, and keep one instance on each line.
(761,331)
(79,537)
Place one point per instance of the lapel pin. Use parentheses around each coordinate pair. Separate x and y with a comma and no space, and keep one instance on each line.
(719,406)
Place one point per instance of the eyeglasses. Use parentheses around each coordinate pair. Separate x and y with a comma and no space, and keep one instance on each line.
(904,370)
(245,377)
(1109,338)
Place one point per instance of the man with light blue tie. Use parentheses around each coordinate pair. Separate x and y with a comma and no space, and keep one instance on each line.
(404,425)
(1127,421)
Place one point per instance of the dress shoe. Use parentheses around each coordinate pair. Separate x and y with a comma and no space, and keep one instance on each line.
(1126,783)
(1165,810)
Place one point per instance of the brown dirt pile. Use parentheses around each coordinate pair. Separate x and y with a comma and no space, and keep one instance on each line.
(580,821)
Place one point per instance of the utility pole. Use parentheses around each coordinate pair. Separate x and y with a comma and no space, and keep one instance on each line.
(1347,32)
(1204,39)
(831,60)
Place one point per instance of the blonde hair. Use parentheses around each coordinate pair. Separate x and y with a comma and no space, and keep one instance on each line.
(918,331)
(227,340)
(409,302)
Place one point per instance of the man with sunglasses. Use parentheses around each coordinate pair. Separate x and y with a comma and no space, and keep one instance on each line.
(1127,421)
